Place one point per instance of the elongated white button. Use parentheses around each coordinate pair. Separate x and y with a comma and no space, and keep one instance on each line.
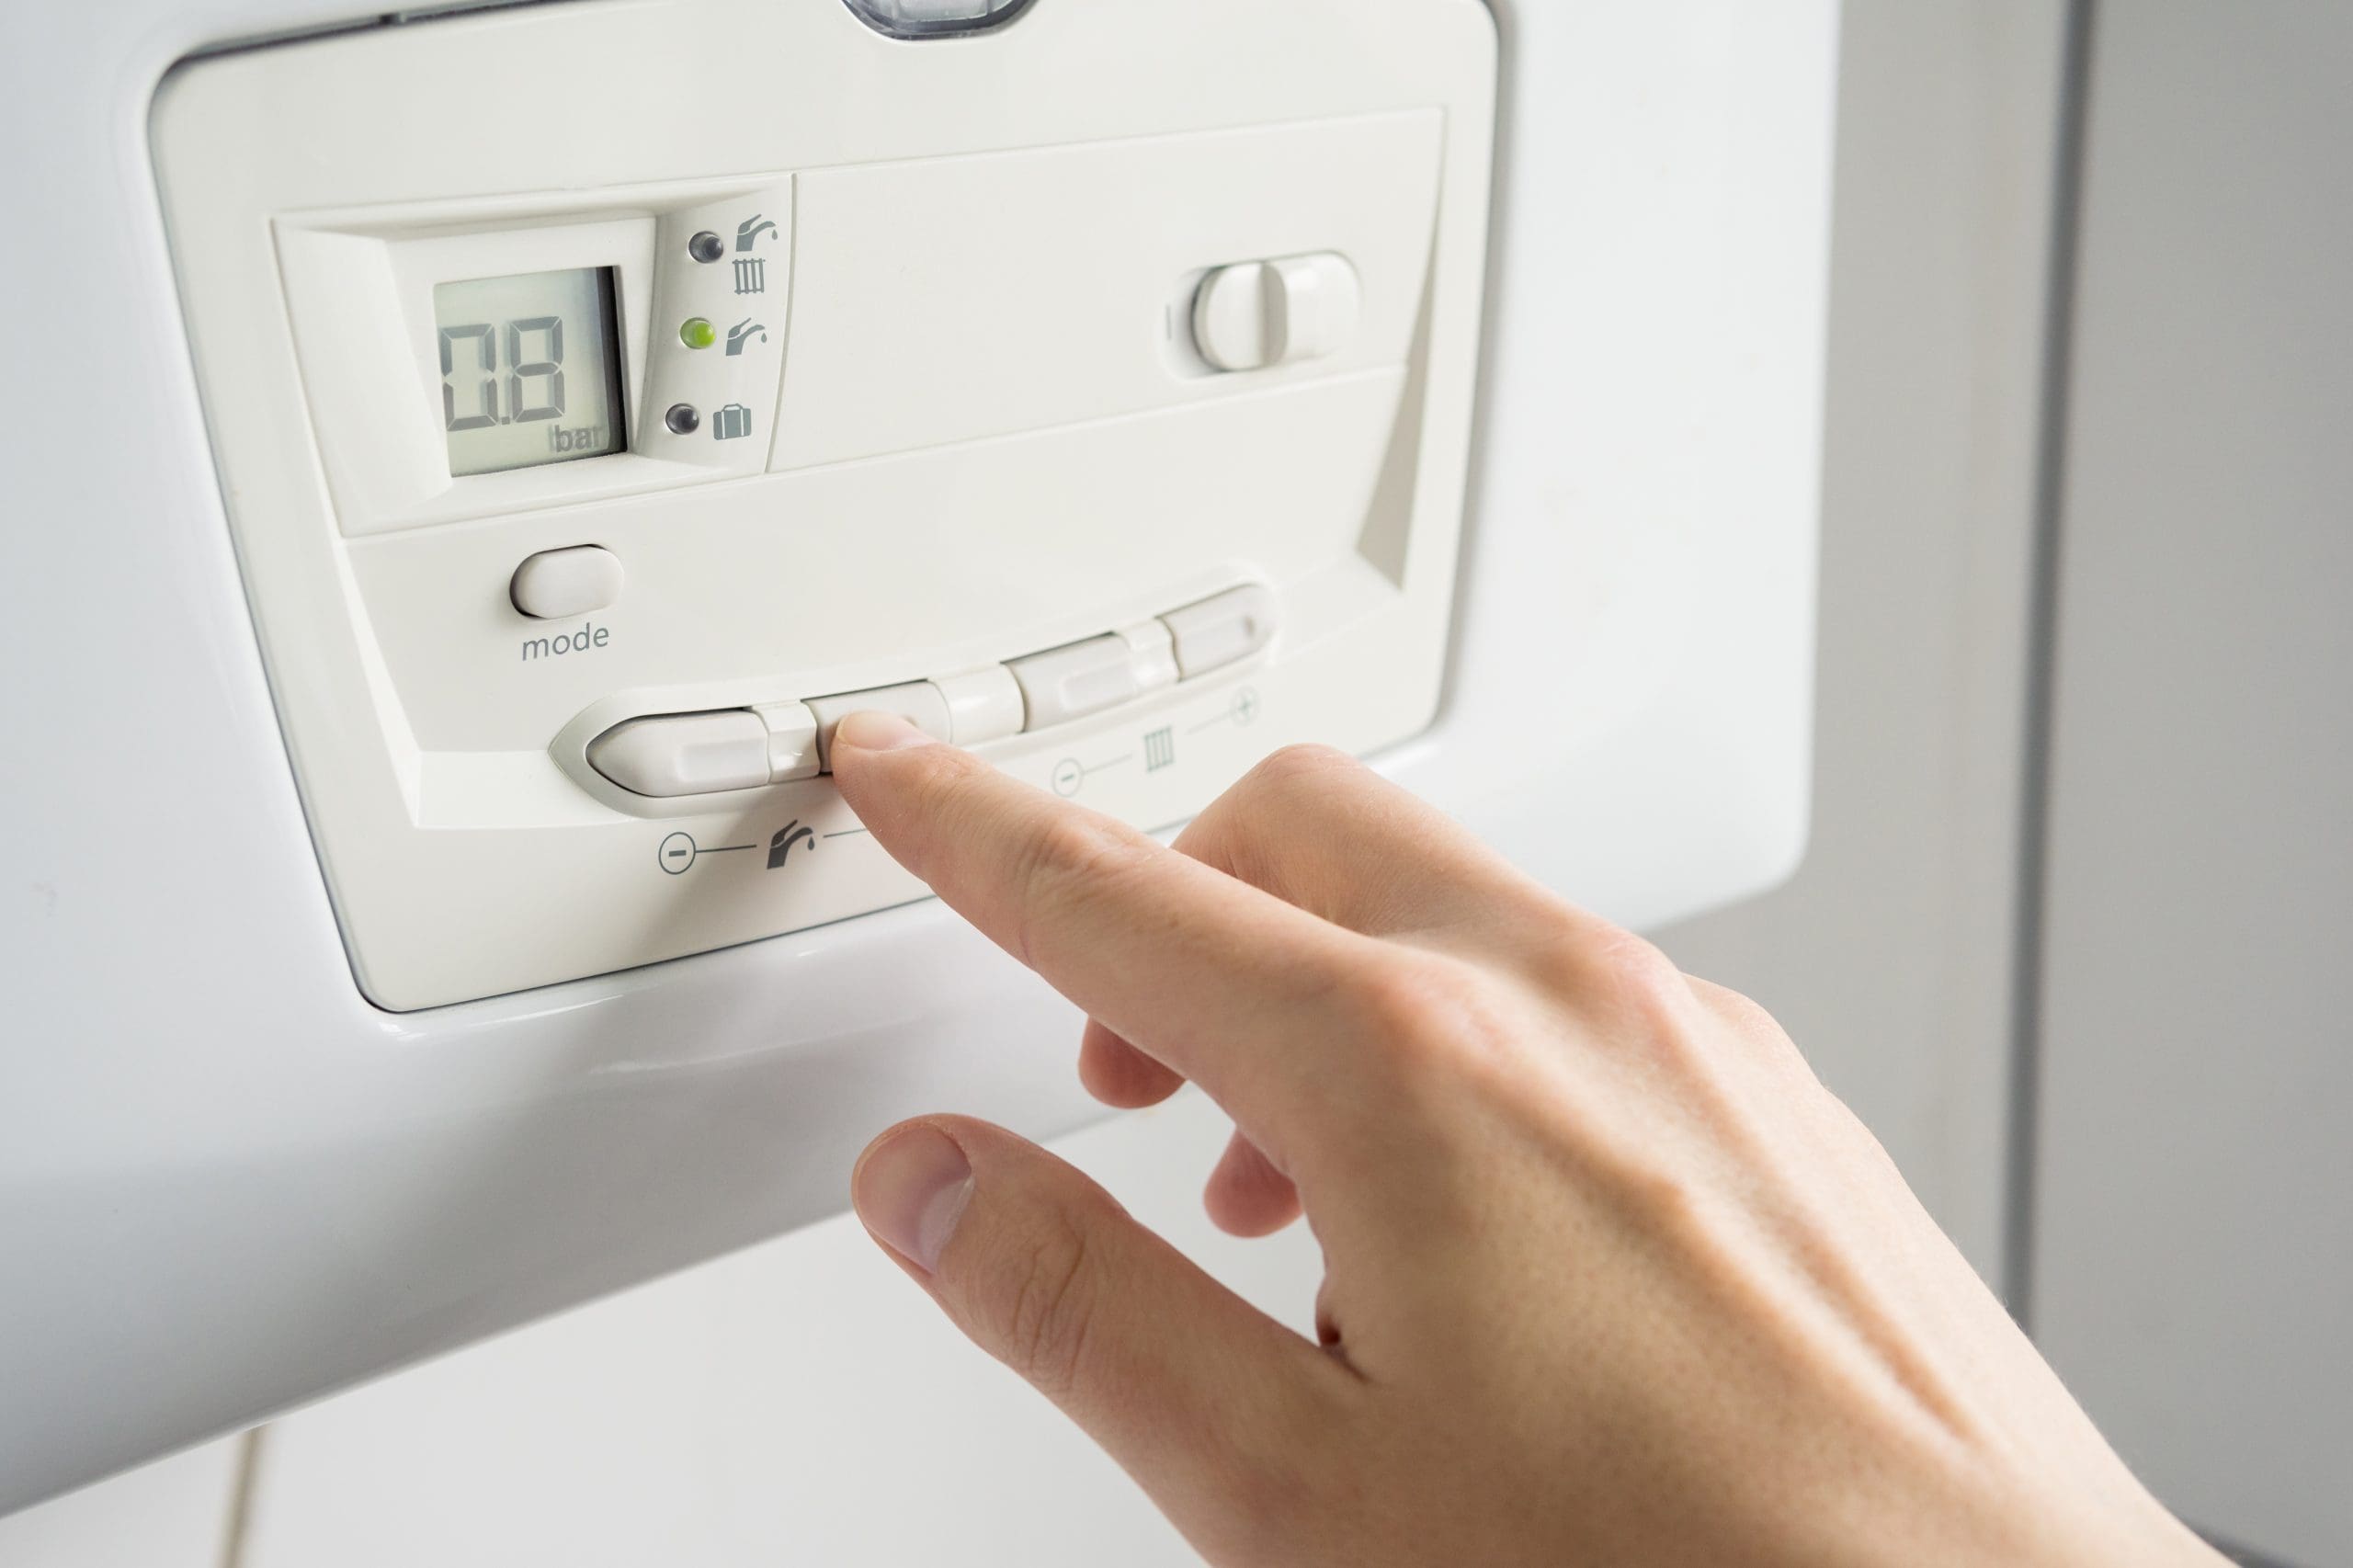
(1221,631)
(918,702)
(984,705)
(559,583)
(685,753)
(1072,682)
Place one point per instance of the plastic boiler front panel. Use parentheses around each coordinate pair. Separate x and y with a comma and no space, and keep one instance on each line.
(1139,335)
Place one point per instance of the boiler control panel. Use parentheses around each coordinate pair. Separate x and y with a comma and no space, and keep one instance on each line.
(1094,390)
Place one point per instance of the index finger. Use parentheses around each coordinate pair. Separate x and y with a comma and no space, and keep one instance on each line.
(1227,984)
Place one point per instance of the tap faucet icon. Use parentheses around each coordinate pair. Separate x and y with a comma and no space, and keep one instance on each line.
(780,848)
(751,229)
(742,333)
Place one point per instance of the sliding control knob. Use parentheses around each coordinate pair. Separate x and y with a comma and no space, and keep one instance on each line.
(1257,314)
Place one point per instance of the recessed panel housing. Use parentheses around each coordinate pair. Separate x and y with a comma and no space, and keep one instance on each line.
(590,454)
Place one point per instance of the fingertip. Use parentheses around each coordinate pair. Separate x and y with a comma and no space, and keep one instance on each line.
(900,782)
(1119,1074)
(872,730)
(1246,1196)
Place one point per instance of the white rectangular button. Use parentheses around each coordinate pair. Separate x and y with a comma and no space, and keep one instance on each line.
(1072,682)
(918,702)
(793,742)
(1221,631)
(685,753)
(984,705)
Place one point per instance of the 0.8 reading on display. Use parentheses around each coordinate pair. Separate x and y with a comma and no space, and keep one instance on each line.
(531,370)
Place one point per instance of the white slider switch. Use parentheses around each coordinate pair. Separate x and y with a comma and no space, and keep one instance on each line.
(1221,631)
(1260,314)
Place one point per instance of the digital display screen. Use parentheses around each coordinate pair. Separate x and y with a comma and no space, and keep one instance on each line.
(531,370)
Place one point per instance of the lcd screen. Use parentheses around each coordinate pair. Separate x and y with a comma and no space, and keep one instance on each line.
(531,370)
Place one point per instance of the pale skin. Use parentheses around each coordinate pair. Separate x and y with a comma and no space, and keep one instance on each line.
(1610,1276)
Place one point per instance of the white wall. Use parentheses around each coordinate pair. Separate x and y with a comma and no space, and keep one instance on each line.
(799,1402)
(175,1512)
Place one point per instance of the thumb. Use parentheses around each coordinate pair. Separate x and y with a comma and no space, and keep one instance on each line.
(1213,1407)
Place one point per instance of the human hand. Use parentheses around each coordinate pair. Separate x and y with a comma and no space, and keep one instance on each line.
(1610,1276)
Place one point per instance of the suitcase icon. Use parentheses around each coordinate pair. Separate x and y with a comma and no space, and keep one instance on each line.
(731,423)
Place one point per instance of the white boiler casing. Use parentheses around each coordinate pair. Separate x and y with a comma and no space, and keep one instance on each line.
(1128,391)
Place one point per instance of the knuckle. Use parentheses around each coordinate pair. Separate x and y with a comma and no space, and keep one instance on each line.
(1742,1013)
(1253,829)
(1639,974)
(1075,849)
(1071,860)
(1405,995)
(1049,1306)
(1296,770)
(1426,1009)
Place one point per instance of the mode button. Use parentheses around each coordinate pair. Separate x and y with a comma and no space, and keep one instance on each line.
(556,585)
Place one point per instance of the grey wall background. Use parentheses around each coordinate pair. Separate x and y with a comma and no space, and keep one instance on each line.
(1890,956)
(2193,1241)
(2176,985)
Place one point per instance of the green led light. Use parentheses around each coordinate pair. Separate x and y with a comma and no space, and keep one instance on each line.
(697,333)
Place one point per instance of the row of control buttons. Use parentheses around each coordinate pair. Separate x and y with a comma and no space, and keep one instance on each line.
(678,755)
